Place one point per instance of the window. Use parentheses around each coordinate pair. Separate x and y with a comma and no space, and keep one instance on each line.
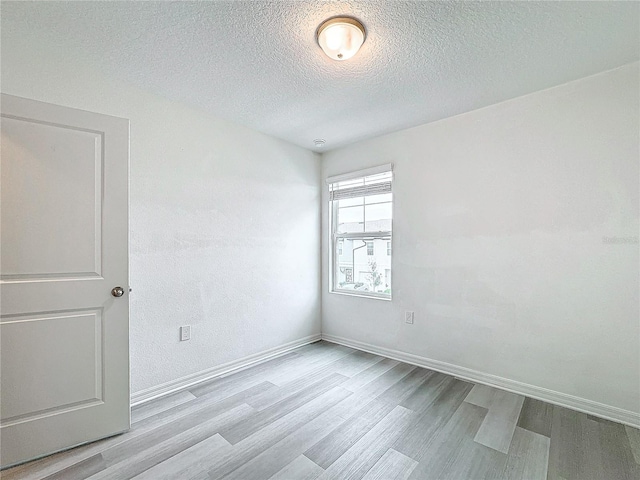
(369,248)
(360,206)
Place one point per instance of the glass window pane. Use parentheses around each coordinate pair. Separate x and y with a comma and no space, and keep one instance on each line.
(344,270)
(350,202)
(350,219)
(378,217)
(364,266)
(379,211)
(385,197)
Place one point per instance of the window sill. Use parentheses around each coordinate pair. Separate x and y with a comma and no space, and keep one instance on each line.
(360,295)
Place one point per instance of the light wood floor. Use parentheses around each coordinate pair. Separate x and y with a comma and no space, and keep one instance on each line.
(330,412)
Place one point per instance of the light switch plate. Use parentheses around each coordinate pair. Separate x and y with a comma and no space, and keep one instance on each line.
(185,333)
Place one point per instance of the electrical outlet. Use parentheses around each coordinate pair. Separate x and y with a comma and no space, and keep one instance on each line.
(185,333)
(408,317)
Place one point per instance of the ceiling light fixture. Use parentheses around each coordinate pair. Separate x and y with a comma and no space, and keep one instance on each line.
(341,37)
(319,142)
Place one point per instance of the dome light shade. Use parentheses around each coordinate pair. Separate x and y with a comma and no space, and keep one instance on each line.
(341,37)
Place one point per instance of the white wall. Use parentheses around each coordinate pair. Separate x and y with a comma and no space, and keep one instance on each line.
(499,219)
(224,221)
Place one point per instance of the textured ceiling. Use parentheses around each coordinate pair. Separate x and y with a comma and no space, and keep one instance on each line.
(257,62)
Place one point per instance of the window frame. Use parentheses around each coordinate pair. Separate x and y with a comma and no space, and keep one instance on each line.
(335,237)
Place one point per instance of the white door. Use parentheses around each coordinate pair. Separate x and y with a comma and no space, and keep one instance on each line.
(64,338)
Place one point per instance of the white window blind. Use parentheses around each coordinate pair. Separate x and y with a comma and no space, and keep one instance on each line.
(376,184)
(359,191)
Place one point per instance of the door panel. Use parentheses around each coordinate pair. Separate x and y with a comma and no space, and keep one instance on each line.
(21,337)
(64,339)
(51,174)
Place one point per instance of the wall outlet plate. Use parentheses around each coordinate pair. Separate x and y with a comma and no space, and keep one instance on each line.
(408,317)
(185,333)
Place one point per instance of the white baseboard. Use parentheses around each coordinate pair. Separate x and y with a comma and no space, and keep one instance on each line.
(608,412)
(193,379)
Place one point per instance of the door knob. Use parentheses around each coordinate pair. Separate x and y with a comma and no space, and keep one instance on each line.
(117,291)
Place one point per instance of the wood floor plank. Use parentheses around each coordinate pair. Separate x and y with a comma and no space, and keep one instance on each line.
(617,456)
(528,456)
(406,387)
(347,365)
(427,392)
(481,395)
(310,365)
(325,354)
(228,396)
(388,379)
(83,469)
(452,453)
(271,434)
(500,422)
(160,405)
(278,394)
(228,412)
(210,404)
(245,378)
(333,446)
(392,466)
(300,469)
(474,460)
(241,430)
(582,448)
(189,463)
(469,460)
(416,440)
(364,454)
(130,465)
(633,434)
(566,459)
(536,416)
(356,362)
(370,374)
(294,444)
(51,465)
